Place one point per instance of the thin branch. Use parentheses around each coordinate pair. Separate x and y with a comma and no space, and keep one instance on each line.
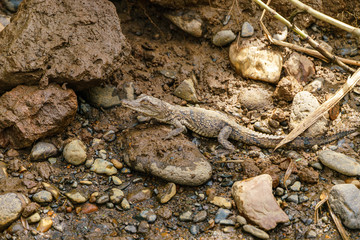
(305,37)
(322,109)
(326,18)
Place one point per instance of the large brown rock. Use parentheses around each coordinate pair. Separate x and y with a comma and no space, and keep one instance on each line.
(255,201)
(176,160)
(64,41)
(28,113)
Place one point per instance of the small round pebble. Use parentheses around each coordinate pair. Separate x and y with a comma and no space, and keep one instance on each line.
(42,150)
(75,152)
(103,199)
(186,216)
(117,181)
(247,30)
(222,214)
(116,195)
(296,186)
(223,38)
(194,229)
(102,166)
(42,197)
(117,163)
(34,218)
(131,229)
(200,216)
(279,191)
(44,224)
(256,232)
(241,220)
(293,198)
(125,204)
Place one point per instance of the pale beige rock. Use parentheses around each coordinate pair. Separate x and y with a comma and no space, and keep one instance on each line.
(255,201)
(221,202)
(257,64)
(167,193)
(34,218)
(303,104)
(188,22)
(75,152)
(11,206)
(255,97)
(44,224)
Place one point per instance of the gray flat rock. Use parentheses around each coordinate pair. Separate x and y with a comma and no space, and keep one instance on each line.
(340,162)
(344,200)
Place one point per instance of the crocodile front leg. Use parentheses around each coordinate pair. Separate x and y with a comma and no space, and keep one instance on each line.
(179,128)
(223,138)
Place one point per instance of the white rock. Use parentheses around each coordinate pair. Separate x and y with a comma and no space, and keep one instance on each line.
(303,104)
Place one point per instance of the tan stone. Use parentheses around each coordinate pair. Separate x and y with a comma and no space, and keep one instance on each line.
(255,201)
(257,64)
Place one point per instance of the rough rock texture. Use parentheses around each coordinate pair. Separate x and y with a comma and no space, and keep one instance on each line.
(303,104)
(255,97)
(106,96)
(344,200)
(11,206)
(42,150)
(75,152)
(189,22)
(340,162)
(175,160)
(287,88)
(256,202)
(28,113)
(300,67)
(257,64)
(75,42)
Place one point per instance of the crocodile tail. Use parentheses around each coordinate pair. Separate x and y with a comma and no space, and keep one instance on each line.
(306,142)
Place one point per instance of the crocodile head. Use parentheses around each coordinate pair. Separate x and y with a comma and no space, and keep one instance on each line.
(150,106)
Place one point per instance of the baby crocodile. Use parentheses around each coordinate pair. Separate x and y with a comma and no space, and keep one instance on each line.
(209,123)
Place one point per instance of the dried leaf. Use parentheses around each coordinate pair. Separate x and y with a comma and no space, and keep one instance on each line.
(24,223)
(289,170)
(338,224)
(323,197)
(321,110)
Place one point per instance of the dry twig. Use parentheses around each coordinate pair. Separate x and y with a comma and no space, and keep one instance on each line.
(321,110)
(325,18)
(305,37)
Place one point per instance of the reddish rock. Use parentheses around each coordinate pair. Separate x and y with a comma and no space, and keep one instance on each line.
(76,42)
(308,175)
(255,201)
(274,172)
(300,67)
(28,113)
(287,88)
(30,209)
(139,195)
(89,208)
